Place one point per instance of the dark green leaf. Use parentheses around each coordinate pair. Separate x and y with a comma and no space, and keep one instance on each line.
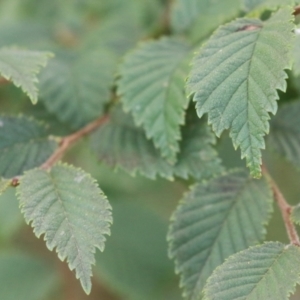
(119,143)
(216,219)
(76,87)
(24,144)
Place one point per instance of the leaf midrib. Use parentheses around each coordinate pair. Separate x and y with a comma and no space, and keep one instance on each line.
(267,271)
(242,188)
(69,224)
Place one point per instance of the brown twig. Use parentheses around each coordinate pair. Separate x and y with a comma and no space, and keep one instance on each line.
(285,209)
(68,141)
(296,10)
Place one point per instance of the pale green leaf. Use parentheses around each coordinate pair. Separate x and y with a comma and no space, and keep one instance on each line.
(295,215)
(76,86)
(21,67)
(24,277)
(284,137)
(119,143)
(235,78)
(216,219)
(24,144)
(152,89)
(199,18)
(269,272)
(68,207)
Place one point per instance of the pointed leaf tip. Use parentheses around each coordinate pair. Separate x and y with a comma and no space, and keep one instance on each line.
(235,78)
(21,67)
(67,206)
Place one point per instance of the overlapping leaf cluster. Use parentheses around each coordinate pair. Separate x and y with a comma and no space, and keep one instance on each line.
(148,91)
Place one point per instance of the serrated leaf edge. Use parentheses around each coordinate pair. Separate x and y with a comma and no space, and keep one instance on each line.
(252,247)
(108,208)
(255,173)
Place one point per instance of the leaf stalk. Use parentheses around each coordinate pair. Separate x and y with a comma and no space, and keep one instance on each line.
(69,140)
(285,209)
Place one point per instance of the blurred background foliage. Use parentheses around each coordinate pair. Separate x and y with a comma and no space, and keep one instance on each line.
(134,265)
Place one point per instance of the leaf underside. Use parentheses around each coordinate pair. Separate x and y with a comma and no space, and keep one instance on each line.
(120,144)
(22,67)
(24,144)
(215,220)
(269,272)
(235,79)
(152,90)
(68,207)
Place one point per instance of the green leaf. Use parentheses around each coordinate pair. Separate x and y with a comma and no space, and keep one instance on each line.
(21,67)
(120,144)
(199,18)
(76,86)
(216,219)
(295,215)
(152,89)
(24,277)
(68,207)
(24,144)
(296,67)
(269,271)
(235,79)
(135,262)
(284,137)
